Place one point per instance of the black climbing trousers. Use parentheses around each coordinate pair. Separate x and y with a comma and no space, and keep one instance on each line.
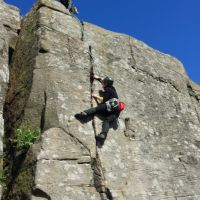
(100,109)
(109,117)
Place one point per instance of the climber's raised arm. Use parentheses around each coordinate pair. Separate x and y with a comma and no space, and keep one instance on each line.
(98,78)
(97,97)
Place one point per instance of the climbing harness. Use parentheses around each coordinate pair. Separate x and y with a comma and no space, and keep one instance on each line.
(112,104)
(115,104)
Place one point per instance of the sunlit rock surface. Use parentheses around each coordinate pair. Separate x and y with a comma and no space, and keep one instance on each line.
(155,152)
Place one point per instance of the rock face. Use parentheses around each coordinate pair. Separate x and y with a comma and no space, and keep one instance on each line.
(155,152)
(9,25)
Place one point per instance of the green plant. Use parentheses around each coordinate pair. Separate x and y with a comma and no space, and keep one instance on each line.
(3,179)
(25,137)
(3,173)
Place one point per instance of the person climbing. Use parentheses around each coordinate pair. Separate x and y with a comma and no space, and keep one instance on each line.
(108,106)
(69,5)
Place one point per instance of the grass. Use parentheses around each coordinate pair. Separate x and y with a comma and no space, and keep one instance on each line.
(25,137)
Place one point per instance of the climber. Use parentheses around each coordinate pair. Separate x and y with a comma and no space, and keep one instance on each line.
(69,5)
(108,106)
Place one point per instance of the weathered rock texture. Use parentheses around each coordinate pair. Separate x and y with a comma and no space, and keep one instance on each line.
(155,152)
(9,26)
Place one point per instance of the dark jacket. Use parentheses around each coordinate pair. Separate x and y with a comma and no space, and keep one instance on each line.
(109,93)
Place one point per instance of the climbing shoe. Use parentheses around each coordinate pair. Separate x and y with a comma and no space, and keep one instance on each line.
(81,115)
(101,137)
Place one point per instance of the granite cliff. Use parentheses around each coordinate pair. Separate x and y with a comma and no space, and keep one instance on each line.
(155,152)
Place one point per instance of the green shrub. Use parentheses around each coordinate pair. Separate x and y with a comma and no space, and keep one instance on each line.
(25,137)
(3,178)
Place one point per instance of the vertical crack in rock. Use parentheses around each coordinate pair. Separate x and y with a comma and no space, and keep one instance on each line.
(92,86)
(99,178)
(133,64)
(81,23)
(192,95)
(10,55)
(42,120)
(91,73)
(82,30)
(192,92)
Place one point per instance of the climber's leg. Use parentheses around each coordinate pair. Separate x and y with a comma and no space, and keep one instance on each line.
(91,112)
(101,109)
(85,113)
(106,126)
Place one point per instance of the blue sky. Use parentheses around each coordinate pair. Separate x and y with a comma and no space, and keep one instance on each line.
(170,26)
